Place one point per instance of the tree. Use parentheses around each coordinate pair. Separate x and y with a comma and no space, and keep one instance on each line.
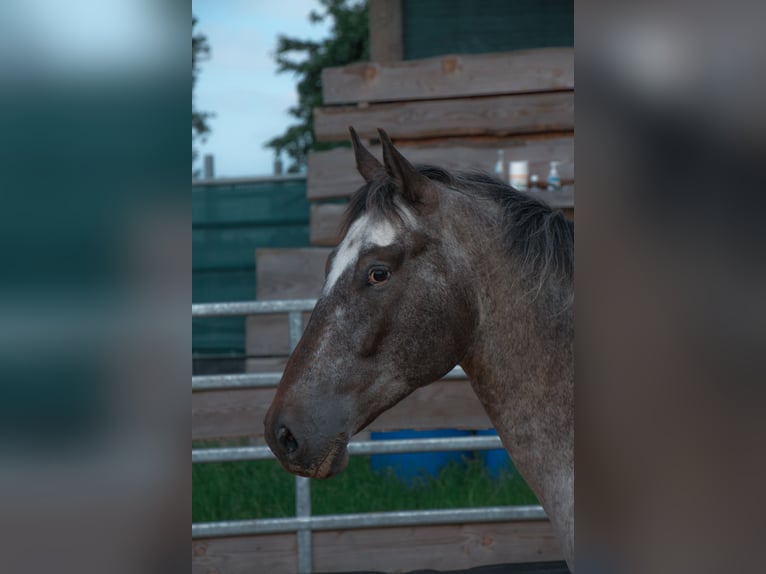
(348,42)
(200,126)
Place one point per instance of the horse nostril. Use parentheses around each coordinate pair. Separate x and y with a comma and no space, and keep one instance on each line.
(287,440)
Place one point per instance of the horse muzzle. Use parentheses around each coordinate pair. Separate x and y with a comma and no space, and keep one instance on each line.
(305,453)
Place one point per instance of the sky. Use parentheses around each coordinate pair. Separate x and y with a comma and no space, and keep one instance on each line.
(239,83)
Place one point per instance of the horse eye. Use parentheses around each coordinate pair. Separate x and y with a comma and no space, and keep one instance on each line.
(378,275)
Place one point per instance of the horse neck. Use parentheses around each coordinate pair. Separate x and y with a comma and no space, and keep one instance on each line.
(521,361)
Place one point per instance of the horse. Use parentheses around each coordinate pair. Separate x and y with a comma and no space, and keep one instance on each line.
(438,269)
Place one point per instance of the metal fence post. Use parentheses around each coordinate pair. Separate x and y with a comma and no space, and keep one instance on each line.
(302,484)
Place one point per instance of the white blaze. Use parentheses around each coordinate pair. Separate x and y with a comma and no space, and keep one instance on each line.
(362,233)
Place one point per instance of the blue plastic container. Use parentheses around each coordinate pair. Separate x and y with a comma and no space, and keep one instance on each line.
(496,462)
(408,467)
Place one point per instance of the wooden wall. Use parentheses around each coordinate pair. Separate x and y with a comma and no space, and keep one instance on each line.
(455,111)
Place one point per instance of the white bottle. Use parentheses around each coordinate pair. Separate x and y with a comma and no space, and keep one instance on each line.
(500,166)
(554,180)
(519,174)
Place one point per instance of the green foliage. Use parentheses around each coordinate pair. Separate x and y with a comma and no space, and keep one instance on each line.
(200,53)
(262,489)
(348,42)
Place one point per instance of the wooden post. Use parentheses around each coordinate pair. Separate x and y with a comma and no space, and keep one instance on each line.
(386,30)
(209,167)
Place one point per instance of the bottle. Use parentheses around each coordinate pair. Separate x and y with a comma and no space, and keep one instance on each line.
(534,182)
(500,166)
(519,174)
(554,180)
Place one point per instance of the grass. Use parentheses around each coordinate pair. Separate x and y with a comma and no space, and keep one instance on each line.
(262,489)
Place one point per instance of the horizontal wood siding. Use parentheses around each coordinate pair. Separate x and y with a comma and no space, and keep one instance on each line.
(240,413)
(332,174)
(398,549)
(326,223)
(282,274)
(268,335)
(494,115)
(549,69)
(327,218)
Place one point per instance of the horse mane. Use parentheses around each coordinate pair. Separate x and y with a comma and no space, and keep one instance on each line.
(540,238)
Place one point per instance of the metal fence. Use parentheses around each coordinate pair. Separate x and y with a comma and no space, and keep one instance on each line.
(304,523)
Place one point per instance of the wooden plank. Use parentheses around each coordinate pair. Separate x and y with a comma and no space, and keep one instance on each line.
(240,413)
(268,335)
(327,219)
(398,549)
(272,553)
(229,414)
(326,223)
(265,365)
(333,174)
(445,547)
(385,17)
(450,76)
(324,216)
(289,273)
(494,115)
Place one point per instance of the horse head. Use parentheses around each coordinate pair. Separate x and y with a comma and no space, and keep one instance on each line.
(392,317)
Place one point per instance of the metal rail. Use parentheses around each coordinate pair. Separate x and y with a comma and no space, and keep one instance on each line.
(266,380)
(233,309)
(230,382)
(304,523)
(367,520)
(240,453)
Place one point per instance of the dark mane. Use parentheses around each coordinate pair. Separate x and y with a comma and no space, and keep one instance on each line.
(540,238)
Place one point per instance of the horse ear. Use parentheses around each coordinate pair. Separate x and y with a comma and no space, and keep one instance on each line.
(416,188)
(366,163)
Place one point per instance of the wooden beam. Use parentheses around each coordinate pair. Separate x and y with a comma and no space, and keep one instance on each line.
(229,414)
(385,18)
(333,174)
(240,413)
(396,549)
(327,219)
(272,553)
(290,273)
(268,335)
(494,115)
(546,69)
(295,273)
(326,223)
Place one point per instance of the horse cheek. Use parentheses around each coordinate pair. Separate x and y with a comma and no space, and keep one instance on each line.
(372,339)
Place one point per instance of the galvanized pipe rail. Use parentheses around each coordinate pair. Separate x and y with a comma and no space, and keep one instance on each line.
(396,446)
(238,308)
(367,520)
(265,380)
(304,523)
